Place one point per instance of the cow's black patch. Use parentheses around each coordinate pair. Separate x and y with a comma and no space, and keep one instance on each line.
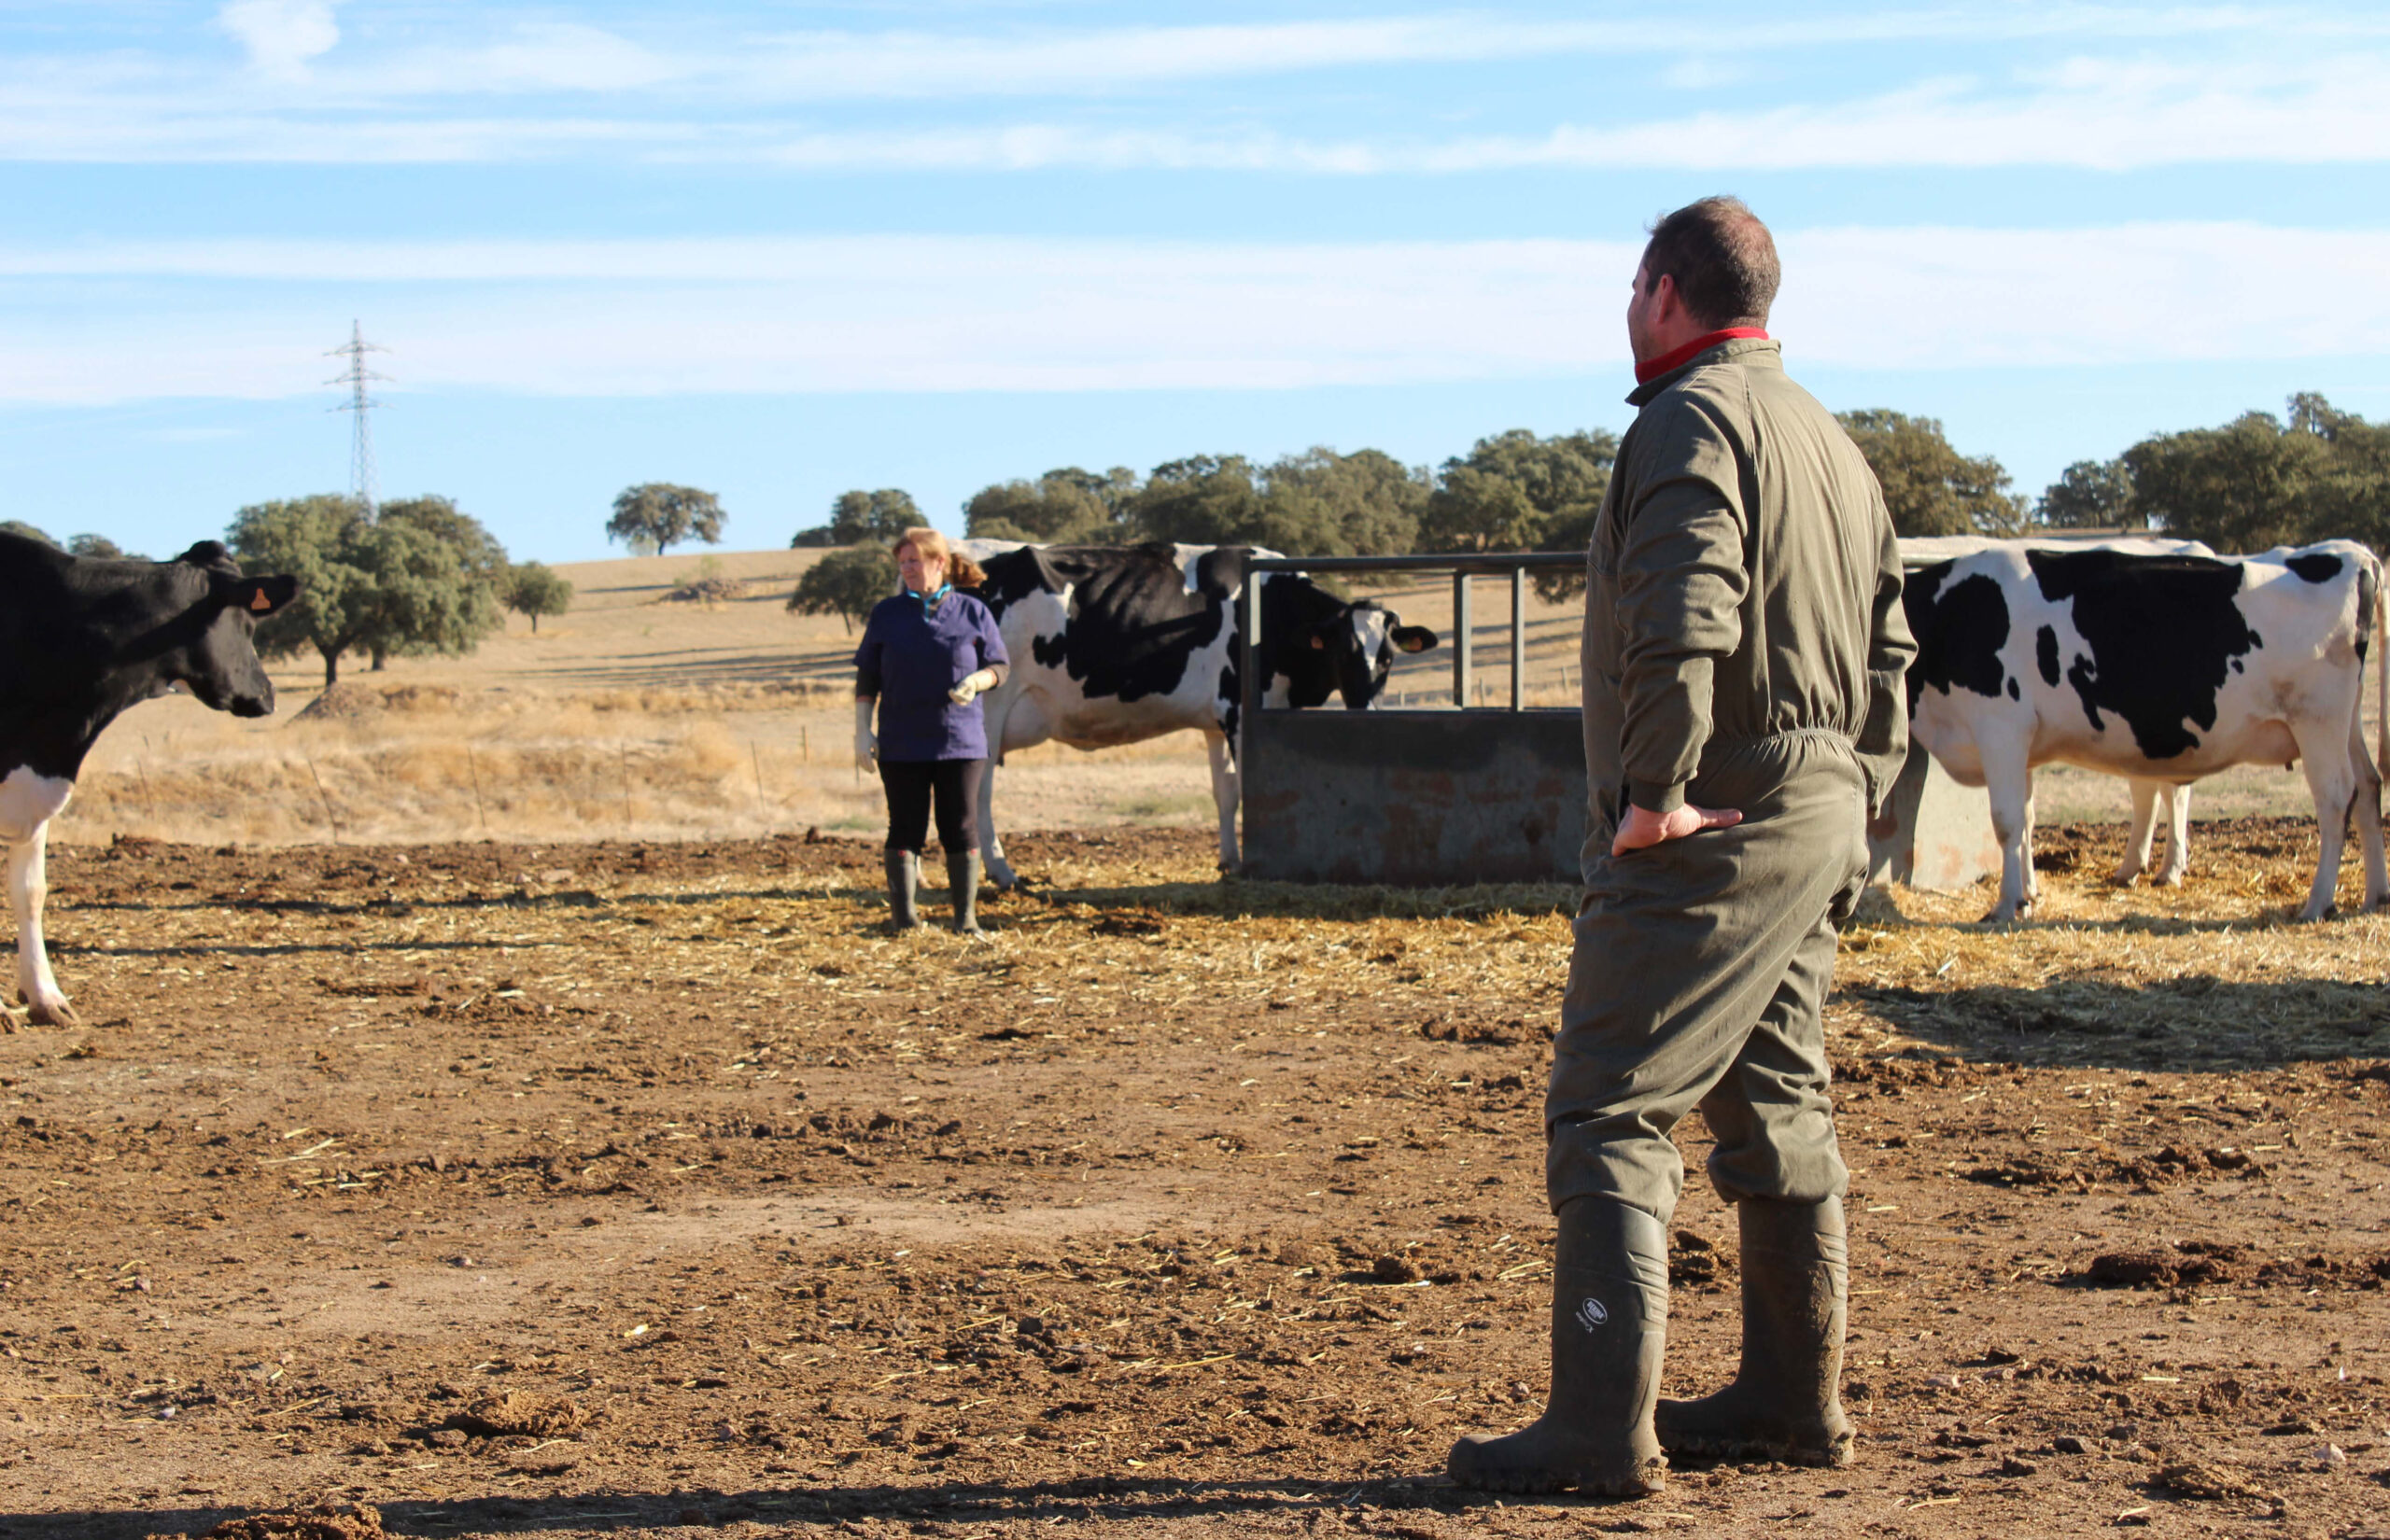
(2315,565)
(1959,633)
(2163,632)
(2014,693)
(2080,677)
(1220,571)
(2045,653)
(1134,626)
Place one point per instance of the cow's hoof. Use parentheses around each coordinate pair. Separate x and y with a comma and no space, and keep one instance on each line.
(52,1012)
(2125,877)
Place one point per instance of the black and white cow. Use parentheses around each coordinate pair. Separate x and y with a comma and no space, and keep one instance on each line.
(1118,644)
(2158,668)
(81,639)
(2148,796)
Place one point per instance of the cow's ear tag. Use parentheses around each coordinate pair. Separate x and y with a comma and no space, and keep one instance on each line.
(1319,644)
(258,601)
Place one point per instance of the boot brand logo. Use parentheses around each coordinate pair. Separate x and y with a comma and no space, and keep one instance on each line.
(1592,1313)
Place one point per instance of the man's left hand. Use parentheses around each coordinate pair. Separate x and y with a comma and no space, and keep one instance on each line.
(1642,828)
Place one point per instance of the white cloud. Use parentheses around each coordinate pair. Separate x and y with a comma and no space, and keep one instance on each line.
(2106,114)
(129,321)
(900,64)
(2094,114)
(281,35)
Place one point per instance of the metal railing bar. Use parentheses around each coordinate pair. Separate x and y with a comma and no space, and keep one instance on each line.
(1460,561)
(1463,654)
(1518,637)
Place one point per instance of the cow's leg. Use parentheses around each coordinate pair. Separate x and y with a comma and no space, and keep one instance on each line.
(2332,778)
(2178,835)
(2032,877)
(2145,825)
(1012,724)
(2369,812)
(1224,794)
(2010,780)
(992,847)
(28,886)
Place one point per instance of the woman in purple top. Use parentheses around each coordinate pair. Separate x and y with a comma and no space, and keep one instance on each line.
(927,656)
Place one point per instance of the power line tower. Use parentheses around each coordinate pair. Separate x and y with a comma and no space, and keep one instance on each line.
(360,401)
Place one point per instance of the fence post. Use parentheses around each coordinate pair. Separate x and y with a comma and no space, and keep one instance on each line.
(1462,620)
(473,765)
(330,817)
(1518,637)
(1253,688)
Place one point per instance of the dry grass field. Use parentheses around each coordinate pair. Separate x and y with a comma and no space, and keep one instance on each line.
(613,1172)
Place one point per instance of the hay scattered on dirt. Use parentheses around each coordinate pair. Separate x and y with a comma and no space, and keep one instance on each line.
(326,1522)
(1163,1183)
(2208,1483)
(517,1415)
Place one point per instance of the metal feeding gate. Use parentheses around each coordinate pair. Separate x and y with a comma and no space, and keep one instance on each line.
(1417,798)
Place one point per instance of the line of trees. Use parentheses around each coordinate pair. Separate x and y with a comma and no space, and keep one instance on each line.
(2260,481)
(1512,490)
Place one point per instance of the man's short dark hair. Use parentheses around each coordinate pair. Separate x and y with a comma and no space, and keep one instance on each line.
(1722,259)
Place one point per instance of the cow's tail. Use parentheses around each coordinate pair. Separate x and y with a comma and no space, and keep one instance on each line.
(2369,611)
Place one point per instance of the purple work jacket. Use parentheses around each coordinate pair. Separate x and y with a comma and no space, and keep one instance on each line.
(912,654)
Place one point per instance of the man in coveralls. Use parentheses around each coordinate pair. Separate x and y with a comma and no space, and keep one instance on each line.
(1744,711)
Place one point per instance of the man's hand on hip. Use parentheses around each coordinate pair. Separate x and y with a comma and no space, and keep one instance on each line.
(1642,828)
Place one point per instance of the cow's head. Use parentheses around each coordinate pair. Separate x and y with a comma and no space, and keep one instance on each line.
(212,649)
(1333,647)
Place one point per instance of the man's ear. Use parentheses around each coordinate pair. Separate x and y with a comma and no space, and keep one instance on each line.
(1667,303)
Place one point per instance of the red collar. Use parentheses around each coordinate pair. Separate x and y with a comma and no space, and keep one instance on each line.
(1651,369)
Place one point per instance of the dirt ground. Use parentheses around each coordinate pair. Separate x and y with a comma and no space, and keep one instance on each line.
(584,1189)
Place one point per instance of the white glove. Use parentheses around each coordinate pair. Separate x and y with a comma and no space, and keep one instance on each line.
(972,685)
(866,745)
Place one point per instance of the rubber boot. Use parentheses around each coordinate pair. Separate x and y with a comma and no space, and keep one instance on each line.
(1785,1402)
(1609,1312)
(904,876)
(962,881)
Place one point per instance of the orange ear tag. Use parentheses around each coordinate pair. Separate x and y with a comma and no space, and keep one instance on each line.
(259,600)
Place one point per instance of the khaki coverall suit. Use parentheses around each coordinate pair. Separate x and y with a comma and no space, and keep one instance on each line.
(1744,647)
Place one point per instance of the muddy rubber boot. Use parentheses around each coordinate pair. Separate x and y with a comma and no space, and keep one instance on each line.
(1610,1313)
(1785,1402)
(904,876)
(962,881)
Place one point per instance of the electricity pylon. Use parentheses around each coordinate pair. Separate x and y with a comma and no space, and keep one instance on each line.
(360,402)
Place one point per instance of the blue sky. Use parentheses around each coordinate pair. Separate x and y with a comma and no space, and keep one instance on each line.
(779,251)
